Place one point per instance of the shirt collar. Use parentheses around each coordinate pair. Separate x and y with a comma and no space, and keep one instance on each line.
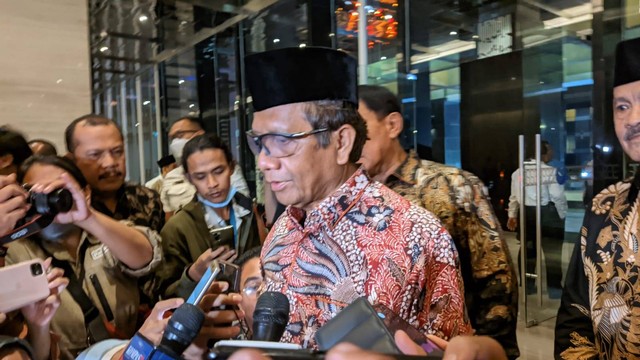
(406,172)
(330,210)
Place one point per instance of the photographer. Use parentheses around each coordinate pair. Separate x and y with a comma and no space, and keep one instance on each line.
(101,256)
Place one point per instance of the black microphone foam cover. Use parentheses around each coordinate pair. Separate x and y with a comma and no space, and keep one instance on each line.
(183,327)
(270,316)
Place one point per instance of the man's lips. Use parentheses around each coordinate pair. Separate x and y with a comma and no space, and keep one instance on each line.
(277,185)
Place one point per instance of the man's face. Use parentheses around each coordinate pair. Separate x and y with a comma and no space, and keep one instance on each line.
(99,153)
(308,175)
(210,173)
(378,141)
(184,129)
(626,117)
(45,174)
(251,281)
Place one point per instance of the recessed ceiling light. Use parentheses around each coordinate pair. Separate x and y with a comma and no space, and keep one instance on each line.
(180,81)
(146,102)
(275,41)
(103,49)
(143,18)
(192,106)
(453,33)
(303,45)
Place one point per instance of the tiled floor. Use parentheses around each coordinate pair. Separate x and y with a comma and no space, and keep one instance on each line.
(536,342)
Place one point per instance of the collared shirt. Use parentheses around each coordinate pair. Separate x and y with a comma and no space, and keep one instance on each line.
(364,240)
(177,191)
(600,308)
(137,204)
(459,199)
(119,285)
(550,189)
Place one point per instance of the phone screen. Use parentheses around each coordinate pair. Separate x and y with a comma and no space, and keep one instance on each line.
(205,283)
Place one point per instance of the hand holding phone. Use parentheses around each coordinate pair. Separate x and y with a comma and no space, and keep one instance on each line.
(198,268)
(22,284)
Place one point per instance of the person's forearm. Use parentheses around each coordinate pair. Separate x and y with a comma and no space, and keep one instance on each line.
(127,244)
(40,340)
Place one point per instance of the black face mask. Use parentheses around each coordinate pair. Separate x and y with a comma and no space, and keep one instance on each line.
(57,232)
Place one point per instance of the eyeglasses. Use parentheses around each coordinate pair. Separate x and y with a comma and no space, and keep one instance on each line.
(253,287)
(278,145)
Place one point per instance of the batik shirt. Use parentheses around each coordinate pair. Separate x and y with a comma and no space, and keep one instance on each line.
(137,204)
(599,316)
(364,240)
(460,200)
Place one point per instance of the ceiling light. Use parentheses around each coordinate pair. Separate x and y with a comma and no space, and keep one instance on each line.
(146,102)
(453,33)
(103,49)
(58,81)
(143,18)
(180,82)
(192,106)
(275,41)
(303,45)
(383,58)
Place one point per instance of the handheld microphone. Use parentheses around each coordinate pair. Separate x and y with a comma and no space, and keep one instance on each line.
(183,327)
(270,317)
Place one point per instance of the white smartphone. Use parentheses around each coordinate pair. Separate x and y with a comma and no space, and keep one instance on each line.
(205,283)
(22,284)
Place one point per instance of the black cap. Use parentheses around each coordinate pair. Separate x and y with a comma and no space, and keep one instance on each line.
(167,160)
(293,75)
(627,62)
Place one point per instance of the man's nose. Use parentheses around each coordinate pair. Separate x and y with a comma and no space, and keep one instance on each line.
(108,160)
(211,181)
(266,162)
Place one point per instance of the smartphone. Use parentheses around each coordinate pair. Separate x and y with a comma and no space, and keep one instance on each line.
(205,283)
(394,323)
(222,237)
(231,274)
(22,284)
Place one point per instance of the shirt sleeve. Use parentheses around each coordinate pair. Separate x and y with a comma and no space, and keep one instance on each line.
(515,195)
(238,181)
(492,291)
(443,312)
(154,239)
(574,335)
(556,194)
(176,260)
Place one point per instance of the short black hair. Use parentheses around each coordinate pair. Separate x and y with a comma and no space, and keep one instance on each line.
(54,160)
(379,100)
(201,143)
(14,144)
(194,120)
(254,252)
(91,120)
(47,147)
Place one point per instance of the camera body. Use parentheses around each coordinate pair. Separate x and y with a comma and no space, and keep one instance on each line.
(51,204)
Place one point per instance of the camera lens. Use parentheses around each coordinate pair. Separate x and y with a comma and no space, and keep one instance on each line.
(36,269)
(56,202)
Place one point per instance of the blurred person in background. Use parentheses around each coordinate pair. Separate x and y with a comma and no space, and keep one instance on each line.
(460,200)
(42,147)
(166,164)
(13,150)
(177,191)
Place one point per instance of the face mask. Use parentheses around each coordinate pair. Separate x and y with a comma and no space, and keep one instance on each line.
(176,147)
(57,232)
(219,205)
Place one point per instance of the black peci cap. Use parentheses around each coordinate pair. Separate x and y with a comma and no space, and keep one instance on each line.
(293,75)
(627,68)
(166,160)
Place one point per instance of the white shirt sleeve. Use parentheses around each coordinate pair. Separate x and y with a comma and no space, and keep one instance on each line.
(514,198)
(556,194)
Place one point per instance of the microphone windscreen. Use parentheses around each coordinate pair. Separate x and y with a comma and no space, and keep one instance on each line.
(270,316)
(183,327)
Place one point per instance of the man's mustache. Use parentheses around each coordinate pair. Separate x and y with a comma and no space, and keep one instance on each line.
(109,174)
(632,131)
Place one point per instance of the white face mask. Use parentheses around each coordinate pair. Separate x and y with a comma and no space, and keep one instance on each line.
(176,147)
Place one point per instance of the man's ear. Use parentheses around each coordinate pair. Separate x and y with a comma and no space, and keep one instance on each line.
(345,138)
(395,124)
(6,161)
(69,156)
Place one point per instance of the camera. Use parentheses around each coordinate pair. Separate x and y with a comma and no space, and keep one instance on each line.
(51,204)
